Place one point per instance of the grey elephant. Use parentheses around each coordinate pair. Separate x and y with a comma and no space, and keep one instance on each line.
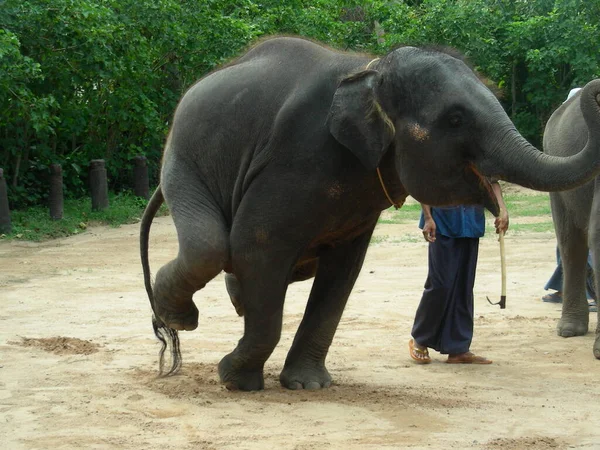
(576,215)
(278,166)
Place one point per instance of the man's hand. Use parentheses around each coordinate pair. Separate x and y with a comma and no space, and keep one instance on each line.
(501,222)
(429,224)
(429,230)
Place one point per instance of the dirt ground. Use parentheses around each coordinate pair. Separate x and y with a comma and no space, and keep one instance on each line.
(78,358)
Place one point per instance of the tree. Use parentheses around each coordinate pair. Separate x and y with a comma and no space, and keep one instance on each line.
(85,79)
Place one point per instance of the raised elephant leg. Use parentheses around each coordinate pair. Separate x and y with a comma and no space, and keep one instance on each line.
(594,245)
(337,271)
(572,243)
(203,252)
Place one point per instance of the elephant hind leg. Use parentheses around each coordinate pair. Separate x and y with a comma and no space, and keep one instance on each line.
(203,253)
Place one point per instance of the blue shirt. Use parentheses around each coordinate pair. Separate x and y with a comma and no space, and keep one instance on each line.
(463,221)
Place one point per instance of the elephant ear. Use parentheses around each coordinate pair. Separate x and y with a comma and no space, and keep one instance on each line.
(357,121)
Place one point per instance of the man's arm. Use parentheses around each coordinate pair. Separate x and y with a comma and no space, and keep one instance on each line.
(429,226)
(501,222)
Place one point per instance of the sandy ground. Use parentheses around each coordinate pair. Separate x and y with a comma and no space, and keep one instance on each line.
(78,358)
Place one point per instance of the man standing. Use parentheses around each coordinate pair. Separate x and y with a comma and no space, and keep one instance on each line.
(444,318)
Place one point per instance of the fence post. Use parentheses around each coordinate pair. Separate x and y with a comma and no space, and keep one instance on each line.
(5,225)
(55,197)
(98,185)
(141,186)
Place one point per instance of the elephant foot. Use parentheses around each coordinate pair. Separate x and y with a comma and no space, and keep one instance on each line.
(569,327)
(311,378)
(597,346)
(233,289)
(181,320)
(239,380)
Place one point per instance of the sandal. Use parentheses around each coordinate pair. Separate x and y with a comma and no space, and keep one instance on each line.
(555,297)
(419,355)
(592,306)
(467,358)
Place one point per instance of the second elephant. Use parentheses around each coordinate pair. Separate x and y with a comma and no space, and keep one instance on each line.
(576,215)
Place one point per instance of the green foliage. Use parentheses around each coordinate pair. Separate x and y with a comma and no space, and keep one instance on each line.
(87,79)
(534,51)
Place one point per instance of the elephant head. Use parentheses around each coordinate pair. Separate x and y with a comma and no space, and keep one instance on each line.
(448,131)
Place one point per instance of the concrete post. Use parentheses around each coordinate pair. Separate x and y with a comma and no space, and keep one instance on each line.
(5,225)
(141,186)
(55,196)
(98,185)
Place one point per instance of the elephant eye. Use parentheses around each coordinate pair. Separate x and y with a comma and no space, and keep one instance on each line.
(455,120)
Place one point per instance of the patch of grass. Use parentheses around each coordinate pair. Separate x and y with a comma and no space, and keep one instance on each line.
(386,239)
(528,205)
(35,224)
(519,205)
(408,213)
(541,227)
(379,239)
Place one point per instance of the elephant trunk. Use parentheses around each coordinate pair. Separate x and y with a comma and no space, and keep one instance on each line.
(513,159)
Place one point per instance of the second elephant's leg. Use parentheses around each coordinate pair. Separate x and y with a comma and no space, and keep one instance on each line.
(337,271)
(574,320)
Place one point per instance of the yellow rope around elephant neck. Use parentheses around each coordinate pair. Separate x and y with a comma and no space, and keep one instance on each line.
(385,191)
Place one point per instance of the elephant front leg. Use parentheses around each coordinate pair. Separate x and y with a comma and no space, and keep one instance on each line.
(337,271)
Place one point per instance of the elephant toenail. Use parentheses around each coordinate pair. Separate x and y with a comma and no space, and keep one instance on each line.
(312,386)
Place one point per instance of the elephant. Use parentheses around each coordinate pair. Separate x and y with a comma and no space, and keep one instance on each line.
(576,217)
(277,167)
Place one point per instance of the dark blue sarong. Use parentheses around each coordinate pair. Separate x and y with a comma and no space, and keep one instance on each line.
(444,318)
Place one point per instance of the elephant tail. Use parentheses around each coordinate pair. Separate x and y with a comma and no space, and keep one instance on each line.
(167,336)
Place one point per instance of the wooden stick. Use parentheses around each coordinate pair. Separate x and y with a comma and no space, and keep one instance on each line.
(503,266)
(502,301)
